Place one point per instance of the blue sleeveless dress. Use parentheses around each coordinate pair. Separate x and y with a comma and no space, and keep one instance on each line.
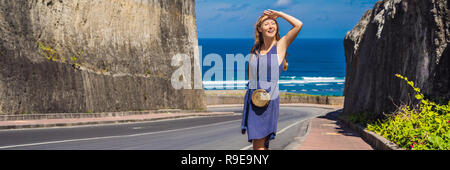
(262,122)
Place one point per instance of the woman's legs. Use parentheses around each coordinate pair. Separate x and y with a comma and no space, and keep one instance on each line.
(260,144)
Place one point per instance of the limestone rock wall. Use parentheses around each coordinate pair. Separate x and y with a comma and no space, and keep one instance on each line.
(94,55)
(409,37)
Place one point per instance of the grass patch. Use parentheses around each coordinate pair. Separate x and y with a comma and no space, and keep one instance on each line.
(47,51)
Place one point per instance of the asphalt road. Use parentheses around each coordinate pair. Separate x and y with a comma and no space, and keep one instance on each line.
(200,133)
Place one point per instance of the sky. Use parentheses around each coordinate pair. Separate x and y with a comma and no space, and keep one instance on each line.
(321,18)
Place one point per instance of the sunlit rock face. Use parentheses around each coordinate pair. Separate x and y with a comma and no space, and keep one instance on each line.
(409,37)
(94,56)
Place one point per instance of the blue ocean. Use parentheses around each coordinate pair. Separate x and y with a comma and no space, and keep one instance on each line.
(316,66)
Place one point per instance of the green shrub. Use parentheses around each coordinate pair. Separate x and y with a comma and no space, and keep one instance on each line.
(424,126)
(53,55)
(47,51)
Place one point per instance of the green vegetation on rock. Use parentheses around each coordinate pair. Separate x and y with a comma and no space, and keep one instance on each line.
(424,126)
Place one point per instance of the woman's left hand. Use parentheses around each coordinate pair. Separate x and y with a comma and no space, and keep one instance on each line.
(272,14)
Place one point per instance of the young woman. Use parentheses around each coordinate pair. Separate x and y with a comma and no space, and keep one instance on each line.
(261,122)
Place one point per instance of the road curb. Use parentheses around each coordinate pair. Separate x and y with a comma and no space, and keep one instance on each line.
(105,122)
(89,115)
(376,141)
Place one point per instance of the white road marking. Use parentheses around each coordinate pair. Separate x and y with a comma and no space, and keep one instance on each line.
(124,123)
(279,132)
(247,147)
(109,137)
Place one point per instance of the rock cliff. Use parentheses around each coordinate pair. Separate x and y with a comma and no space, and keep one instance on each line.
(409,37)
(94,56)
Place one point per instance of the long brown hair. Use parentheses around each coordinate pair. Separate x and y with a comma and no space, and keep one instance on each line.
(259,40)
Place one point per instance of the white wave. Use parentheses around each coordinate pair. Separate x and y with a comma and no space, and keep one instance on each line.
(288,77)
(322,84)
(324,79)
(321,81)
(310,81)
(289,85)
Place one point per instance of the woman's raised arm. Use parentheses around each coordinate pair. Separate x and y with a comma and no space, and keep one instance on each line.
(286,40)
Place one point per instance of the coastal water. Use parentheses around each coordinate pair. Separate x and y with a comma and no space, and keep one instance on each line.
(316,66)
